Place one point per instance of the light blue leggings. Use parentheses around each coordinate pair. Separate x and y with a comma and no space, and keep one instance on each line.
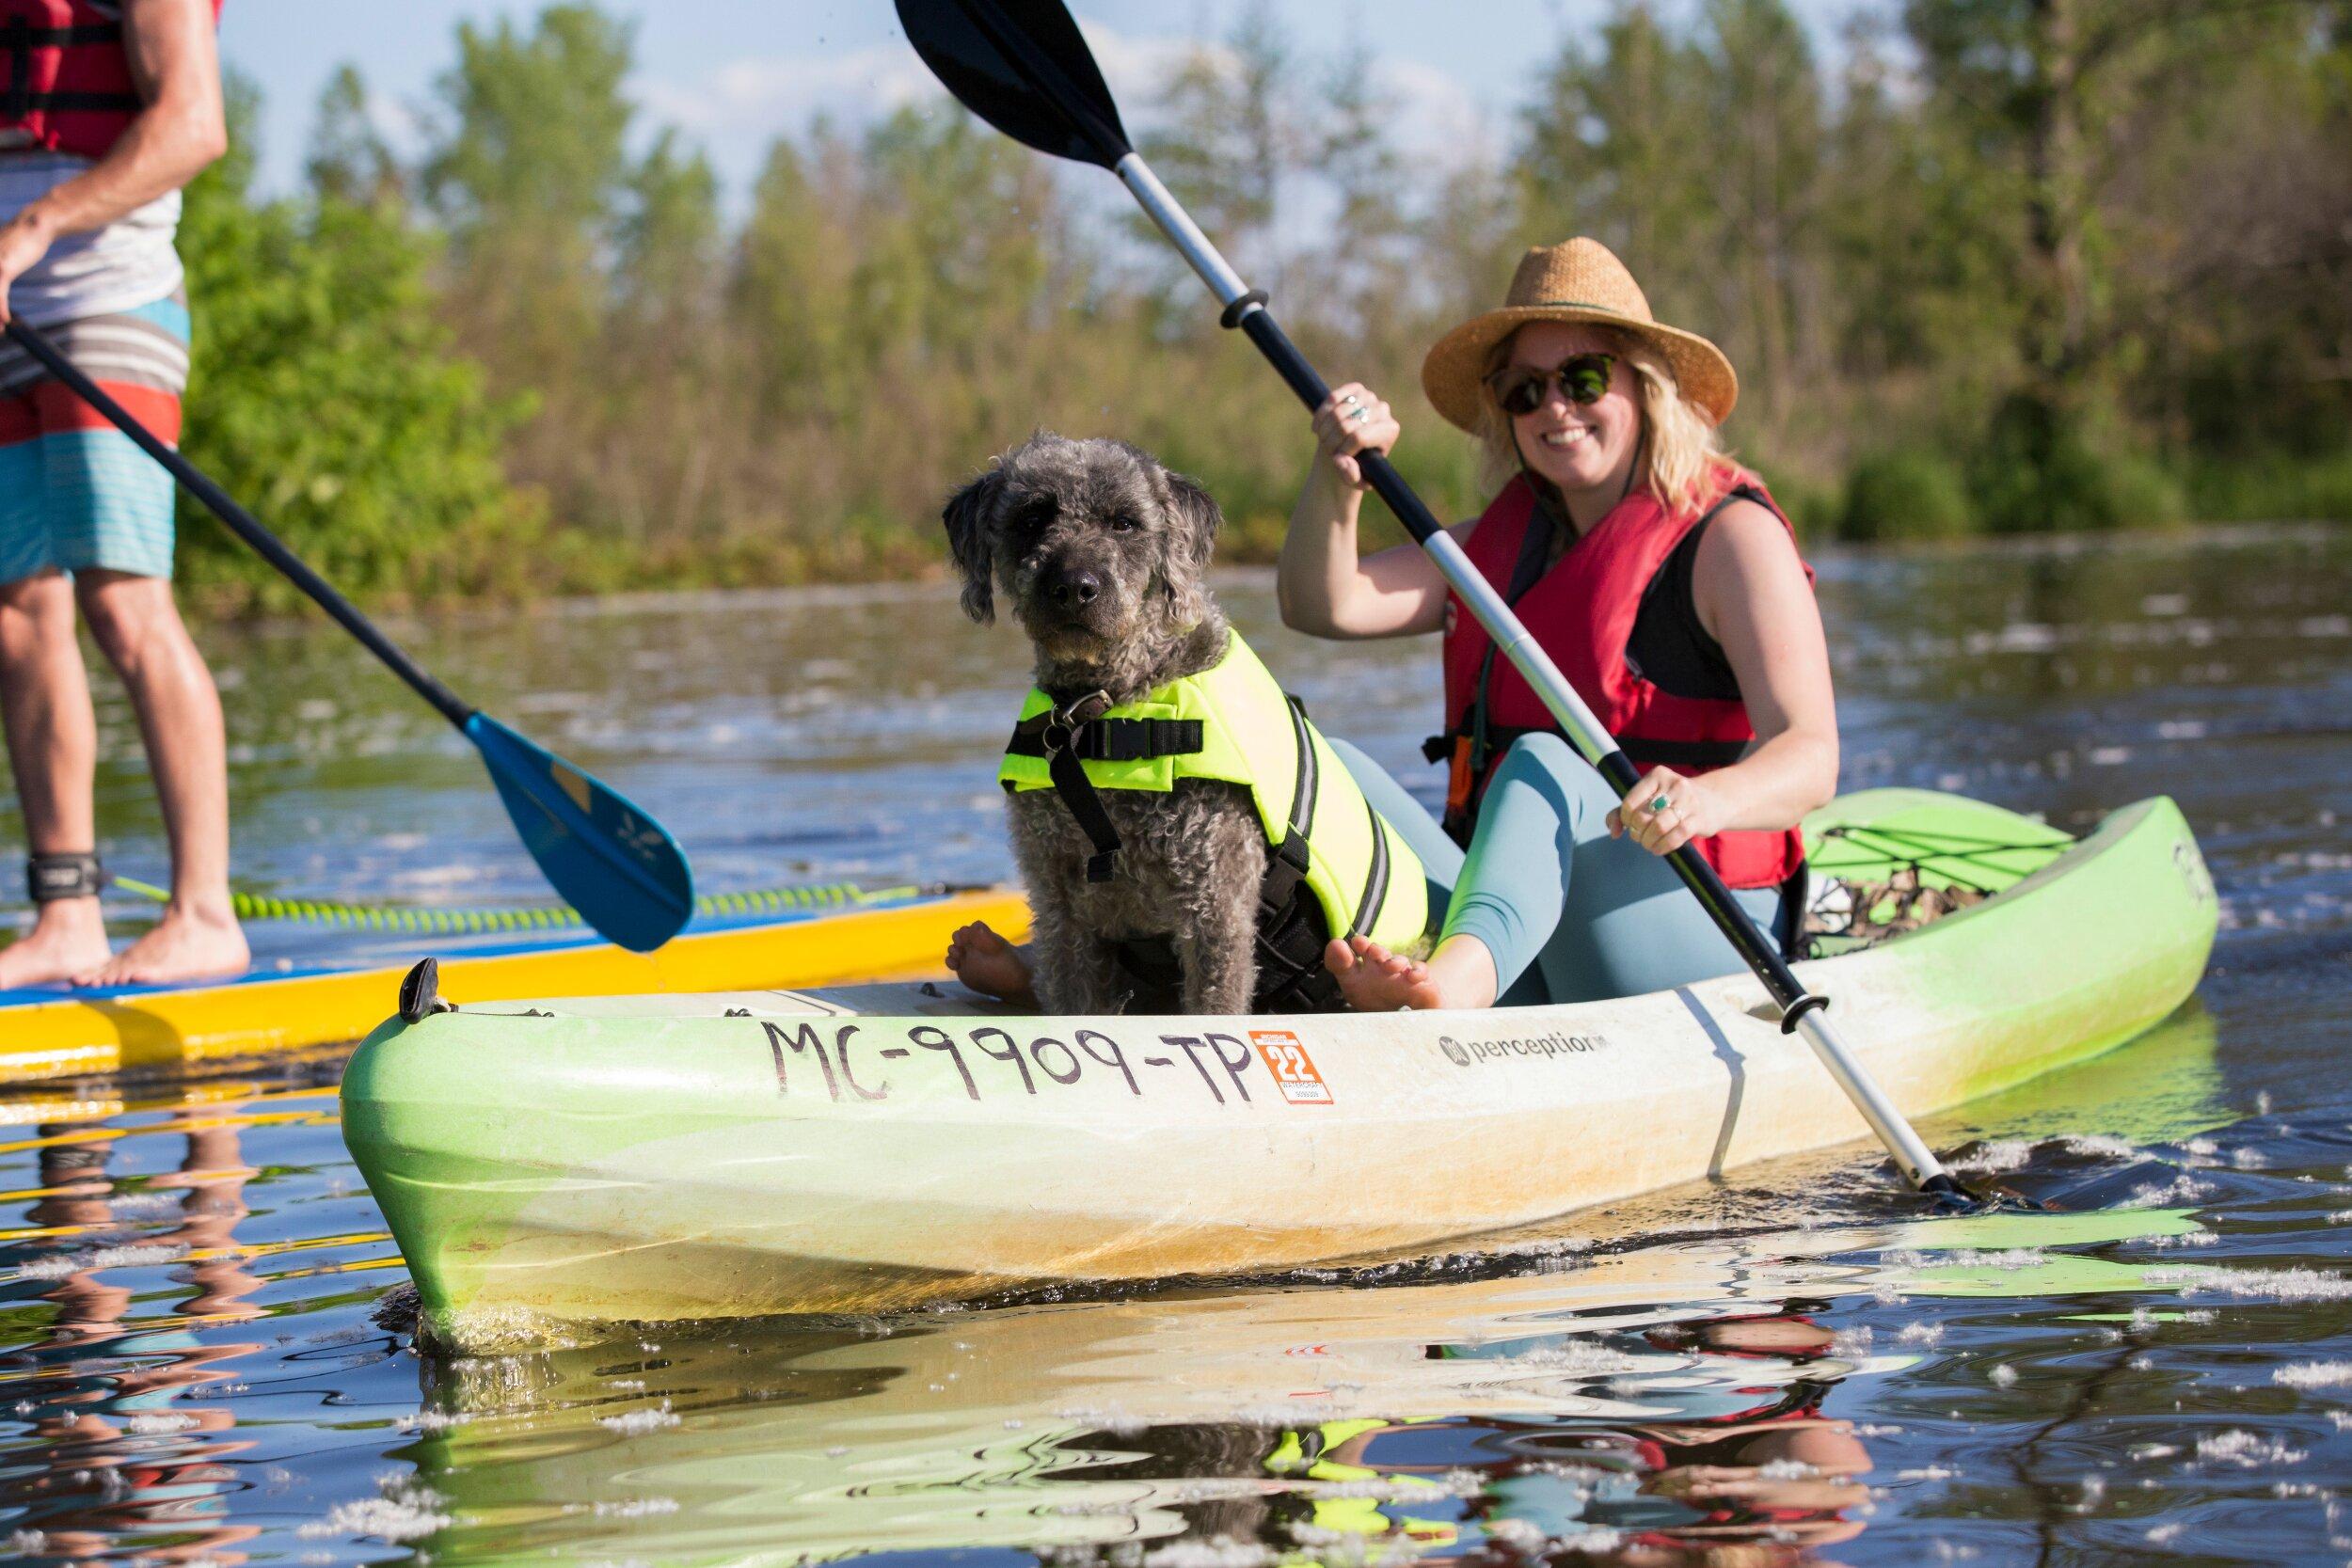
(1569,914)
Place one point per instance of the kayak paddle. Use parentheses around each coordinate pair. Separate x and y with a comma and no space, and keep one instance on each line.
(1022,66)
(609,860)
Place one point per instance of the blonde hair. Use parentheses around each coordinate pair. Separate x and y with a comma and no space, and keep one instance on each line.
(1681,448)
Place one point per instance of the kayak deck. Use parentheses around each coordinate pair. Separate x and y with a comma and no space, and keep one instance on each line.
(551,1169)
(56,1031)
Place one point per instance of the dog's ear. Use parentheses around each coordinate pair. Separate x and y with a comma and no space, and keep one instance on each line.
(1195,518)
(967,516)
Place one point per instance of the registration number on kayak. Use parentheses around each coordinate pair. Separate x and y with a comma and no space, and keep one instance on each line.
(988,1062)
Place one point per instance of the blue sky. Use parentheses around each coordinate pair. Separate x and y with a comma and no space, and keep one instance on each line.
(735,73)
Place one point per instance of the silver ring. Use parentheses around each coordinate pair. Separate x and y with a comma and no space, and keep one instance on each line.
(1361,414)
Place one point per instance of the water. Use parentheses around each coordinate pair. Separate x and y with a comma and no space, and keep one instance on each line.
(195,1358)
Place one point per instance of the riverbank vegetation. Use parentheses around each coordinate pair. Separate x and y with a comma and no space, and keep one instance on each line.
(1985,266)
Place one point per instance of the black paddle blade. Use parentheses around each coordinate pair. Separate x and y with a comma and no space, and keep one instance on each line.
(1022,66)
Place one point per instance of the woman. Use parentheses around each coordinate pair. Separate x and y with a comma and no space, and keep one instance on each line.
(1661,577)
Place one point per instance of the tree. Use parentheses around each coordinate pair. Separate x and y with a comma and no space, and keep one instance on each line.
(1764,160)
(789,293)
(527,175)
(328,395)
(349,160)
(1615,145)
(1226,128)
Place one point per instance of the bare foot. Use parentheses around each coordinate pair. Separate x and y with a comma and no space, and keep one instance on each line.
(1375,980)
(68,938)
(990,964)
(184,945)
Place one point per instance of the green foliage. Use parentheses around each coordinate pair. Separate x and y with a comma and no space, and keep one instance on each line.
(327,397)
(2273,488)
(1906,493)
(2039,472)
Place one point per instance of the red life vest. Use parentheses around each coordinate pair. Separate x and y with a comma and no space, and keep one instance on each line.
(65,76)
(1582,612)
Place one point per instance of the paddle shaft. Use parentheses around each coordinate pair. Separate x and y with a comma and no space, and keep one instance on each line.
(243,524)
(1801,1011)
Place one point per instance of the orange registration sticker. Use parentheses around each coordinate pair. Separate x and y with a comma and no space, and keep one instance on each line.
(1293,1072)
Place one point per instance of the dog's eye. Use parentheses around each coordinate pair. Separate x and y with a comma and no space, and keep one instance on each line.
(1122,523)
(1030,518)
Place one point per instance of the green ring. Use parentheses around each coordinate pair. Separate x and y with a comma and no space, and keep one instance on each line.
(1660,804)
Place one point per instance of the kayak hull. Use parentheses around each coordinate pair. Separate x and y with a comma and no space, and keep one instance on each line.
(551,1170)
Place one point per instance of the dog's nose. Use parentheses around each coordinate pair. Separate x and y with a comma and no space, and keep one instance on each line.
(1075,588)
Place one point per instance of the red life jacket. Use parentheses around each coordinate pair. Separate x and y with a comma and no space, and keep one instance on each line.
(65,76)
(1582,612)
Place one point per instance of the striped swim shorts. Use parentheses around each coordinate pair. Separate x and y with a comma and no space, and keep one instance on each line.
(76,492)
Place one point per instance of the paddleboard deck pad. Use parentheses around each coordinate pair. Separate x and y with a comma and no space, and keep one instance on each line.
(553,1167)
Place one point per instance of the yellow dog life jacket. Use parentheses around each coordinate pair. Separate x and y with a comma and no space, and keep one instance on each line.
(1334,866)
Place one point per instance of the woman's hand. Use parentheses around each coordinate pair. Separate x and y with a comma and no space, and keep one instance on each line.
(1689,810)
(23,240)
(1353,419)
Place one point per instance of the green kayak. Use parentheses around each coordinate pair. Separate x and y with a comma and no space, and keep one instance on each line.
(553,1168)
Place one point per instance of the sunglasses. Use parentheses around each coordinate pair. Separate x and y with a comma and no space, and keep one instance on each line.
(1521,389)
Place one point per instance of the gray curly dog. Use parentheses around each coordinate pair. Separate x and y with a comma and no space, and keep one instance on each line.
(1101,553)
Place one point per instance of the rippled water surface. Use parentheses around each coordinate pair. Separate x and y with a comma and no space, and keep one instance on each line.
(202,1350)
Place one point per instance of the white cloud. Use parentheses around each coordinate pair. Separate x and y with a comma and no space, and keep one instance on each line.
(760,98)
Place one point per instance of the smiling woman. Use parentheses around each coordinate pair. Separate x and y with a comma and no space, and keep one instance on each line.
(1660,575)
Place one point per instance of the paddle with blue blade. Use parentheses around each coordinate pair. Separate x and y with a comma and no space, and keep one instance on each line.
(609,860)
(1023,66)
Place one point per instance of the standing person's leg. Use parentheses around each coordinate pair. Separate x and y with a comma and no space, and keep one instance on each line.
(138,628)
(110,523)
(53,751)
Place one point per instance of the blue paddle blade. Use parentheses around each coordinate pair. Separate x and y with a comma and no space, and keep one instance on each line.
(612,863)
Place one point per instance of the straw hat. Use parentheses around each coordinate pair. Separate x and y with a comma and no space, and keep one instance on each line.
(1578,281)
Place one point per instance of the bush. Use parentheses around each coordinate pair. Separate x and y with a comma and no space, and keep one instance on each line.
(2042,470)
(327,396)
(1907,493)
(1807,504)
(2272,487)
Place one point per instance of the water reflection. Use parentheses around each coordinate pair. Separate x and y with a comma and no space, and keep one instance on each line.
(131,1445)
(1660,1400)
(131,1322)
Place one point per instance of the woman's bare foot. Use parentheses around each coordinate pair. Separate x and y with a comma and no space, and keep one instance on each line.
(990,964)
(68,938)
(1460,973)
(185,944)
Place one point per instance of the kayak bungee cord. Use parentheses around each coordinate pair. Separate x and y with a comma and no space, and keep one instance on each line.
(1024,67)
(1954,857)
(604,855)
(408,919)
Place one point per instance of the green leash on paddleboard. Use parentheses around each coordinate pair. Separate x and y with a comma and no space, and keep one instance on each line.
(408,919)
